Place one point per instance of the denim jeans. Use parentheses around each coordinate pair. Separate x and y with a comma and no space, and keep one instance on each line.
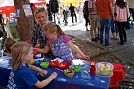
(105,25)
(114,27)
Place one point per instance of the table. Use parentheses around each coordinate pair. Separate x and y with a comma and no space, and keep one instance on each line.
(78,81)
(118,75)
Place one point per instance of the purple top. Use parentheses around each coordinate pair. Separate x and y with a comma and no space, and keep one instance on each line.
(60,48)
(65,38)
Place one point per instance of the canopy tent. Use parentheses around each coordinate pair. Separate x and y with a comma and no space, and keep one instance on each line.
(38,3)
(74,3)
(6,3)
(6,8)
(75,0)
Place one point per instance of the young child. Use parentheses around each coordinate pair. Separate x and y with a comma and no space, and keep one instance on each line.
(58,18)
(21,77)
(8,43)
(59,43)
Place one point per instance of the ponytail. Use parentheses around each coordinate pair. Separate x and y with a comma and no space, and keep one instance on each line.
(53,28)
(59,30)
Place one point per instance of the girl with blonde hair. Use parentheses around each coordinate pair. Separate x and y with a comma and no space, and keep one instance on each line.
(59,43)
(21,76)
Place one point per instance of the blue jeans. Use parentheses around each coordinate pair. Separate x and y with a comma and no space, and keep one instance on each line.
(114,27)
(105,25)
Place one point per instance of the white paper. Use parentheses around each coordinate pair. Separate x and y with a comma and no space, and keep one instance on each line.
(77,62)
(27,10)
(59,60)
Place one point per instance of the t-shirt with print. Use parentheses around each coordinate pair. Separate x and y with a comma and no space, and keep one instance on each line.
(103,8)
(22,78)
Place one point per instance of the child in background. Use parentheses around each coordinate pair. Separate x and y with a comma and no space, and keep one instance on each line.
(21,77)
(59,43)
(58,18)
(8,43)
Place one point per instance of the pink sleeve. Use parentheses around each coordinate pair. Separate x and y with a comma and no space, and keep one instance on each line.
(66,38)
(90,5)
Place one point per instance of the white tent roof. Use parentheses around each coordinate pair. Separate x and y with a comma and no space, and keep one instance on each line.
(6,3)
(33,1)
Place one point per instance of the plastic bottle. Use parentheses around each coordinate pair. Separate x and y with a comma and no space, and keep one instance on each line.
(92,69)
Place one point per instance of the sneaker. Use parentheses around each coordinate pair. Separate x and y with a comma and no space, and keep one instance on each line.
(87,30)
(125,42)
(94,39)
(120,43)
(107,45)
(97,38)
(112,38)
(101,43)
(115,38)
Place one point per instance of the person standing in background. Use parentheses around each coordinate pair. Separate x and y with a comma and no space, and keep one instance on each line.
(94,20)
(73,14)
(33,8)
(114,28)
(105,12)
(65,16)
(49,13)
(2,22)
(58,18)
(80,8)
(122,13)
(86,14)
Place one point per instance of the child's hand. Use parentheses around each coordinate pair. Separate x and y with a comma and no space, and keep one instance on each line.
(35,49)
(86,57)
(43,72)
(54,75)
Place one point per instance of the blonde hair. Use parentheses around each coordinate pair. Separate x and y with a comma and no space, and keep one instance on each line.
(18,49)
(53,28)
(8,43)
(41,10)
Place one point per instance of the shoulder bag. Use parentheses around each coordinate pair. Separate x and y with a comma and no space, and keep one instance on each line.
(127,23)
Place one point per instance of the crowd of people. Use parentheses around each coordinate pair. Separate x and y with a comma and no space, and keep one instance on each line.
(101,15)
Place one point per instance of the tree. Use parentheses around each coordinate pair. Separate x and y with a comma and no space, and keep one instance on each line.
(24,23)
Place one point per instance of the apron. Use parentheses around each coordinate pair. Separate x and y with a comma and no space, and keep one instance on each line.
(61,50)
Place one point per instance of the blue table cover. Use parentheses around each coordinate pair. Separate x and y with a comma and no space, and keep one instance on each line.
(79,80)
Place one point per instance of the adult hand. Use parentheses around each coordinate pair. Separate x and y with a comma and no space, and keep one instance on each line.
(35,49)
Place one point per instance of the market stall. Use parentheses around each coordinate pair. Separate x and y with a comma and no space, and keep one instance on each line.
(7,8)
(81,79)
